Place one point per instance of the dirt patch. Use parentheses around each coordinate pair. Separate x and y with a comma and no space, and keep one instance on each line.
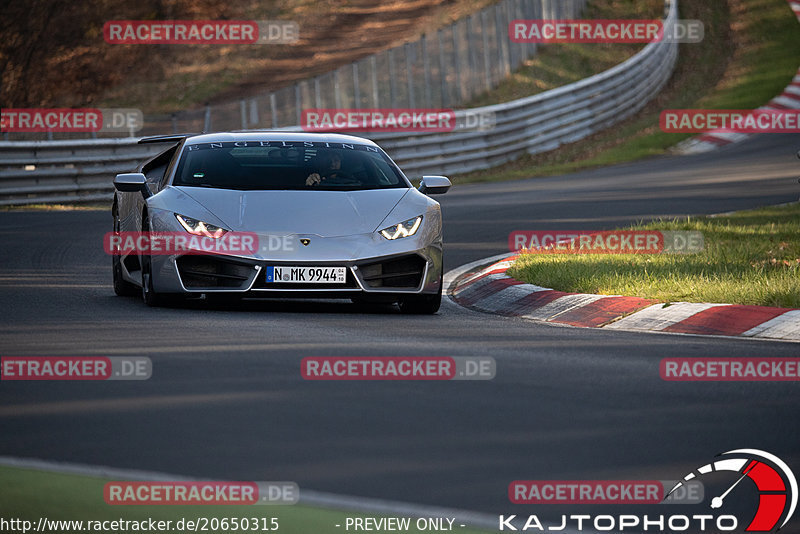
(53,53)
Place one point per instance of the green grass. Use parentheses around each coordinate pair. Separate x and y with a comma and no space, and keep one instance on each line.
(750,53)
(31,494)
(750,257)
(561,64)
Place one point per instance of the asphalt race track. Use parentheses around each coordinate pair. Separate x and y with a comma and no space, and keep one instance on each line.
(227,401)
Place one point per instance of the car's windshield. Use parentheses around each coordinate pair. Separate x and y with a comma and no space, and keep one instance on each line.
(282,165)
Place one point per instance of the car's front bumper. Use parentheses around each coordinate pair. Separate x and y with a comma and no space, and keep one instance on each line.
(416,272)
(374,265)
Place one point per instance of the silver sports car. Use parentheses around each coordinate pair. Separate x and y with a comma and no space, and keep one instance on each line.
(275,214)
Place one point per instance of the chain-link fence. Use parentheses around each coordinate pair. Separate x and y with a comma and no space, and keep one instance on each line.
(441,70)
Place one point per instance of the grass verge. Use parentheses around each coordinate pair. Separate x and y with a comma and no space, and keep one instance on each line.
(560,64)
(30,494)
(749,54)
(750,257)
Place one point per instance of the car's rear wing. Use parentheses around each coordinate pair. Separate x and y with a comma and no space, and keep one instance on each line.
(173,138)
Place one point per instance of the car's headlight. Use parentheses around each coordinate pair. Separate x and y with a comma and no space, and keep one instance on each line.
(193,226)
(403,229)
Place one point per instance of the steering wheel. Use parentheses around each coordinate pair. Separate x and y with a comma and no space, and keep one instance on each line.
(342,178)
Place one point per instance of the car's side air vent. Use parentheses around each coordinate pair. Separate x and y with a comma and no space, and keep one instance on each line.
(212,272)
(131,262)
(402,272)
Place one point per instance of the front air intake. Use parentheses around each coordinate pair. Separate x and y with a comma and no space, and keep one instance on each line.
(211,272)
(403,272)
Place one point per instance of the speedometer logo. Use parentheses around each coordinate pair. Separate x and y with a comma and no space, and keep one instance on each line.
(775,482)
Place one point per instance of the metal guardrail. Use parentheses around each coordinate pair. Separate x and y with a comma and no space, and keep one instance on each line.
(82,170)
(34,172)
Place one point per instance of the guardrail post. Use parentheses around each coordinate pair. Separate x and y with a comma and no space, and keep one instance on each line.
(356,87)
(273,110)
(207,119)
(243,113)
(442,70)
(457,64)
(373,67)
(471,59)
(517,52)
(337,92)
(536,12)
(426,68)
(409,75)
(392,80)
(298,104)
(487,65)
(500,31)
(254,112)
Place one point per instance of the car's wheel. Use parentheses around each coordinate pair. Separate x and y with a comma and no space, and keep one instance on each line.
(422,304)
(122,287)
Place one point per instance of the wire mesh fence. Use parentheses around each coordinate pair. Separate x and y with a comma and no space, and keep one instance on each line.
(445,69)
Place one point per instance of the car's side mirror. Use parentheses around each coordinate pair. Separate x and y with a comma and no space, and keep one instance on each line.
(798,154)
(434,185)
(131,182)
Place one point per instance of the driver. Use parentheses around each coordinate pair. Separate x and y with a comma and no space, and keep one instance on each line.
(331,169)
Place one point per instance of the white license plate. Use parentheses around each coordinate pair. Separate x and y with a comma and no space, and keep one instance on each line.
(306,275)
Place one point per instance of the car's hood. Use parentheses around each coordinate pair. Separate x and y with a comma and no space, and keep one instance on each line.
(323,213)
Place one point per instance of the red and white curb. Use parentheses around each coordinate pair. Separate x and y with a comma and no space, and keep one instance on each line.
(489,289)
(714,139)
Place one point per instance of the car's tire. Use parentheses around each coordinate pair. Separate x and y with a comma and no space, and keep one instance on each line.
(422,304)
(122,287)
